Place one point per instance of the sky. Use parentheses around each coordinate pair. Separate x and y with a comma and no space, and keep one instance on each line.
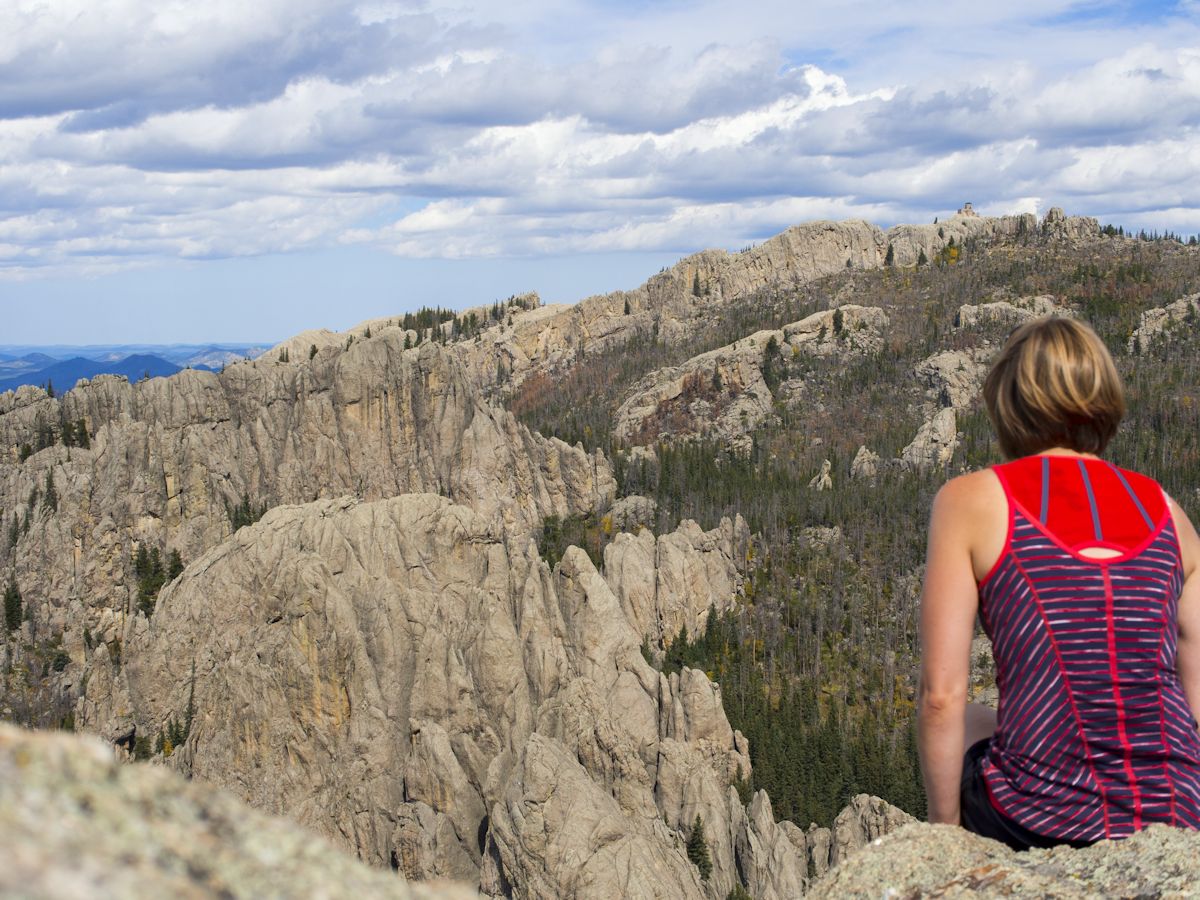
(173,171)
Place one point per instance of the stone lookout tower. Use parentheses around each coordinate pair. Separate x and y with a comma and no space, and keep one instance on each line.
(967,210)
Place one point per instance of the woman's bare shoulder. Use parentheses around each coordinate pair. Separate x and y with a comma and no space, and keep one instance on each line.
(971,493)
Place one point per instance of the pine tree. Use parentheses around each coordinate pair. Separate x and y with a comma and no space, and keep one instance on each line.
(174,565)
(312,351)
(697,849)
(922,259)
(49,494)
(890,259)
(12,606)
(81,435)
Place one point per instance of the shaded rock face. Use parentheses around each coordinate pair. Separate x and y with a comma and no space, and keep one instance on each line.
(947,861)
(723,394)
(1158,323)
(409,678)
(169,457)
(953,378)
(719,395)
(78,824)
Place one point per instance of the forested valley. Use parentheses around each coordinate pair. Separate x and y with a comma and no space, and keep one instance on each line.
(818,661)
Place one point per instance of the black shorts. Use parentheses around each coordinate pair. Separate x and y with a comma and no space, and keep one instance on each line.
(982,818)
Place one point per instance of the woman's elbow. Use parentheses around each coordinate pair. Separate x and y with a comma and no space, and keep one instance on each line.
(936,702)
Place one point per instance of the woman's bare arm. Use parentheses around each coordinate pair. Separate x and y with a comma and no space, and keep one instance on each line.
(1188,659)
(949,602)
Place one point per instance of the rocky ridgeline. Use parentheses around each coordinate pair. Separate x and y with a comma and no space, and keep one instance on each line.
(674,303)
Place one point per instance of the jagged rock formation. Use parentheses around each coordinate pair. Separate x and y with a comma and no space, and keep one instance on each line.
(672,303)
(401,670)
(169,457)
(934,444)
(78,824)
(1058,226)
(866,819)
(723,394)
(865,464)
(822,481)
(410,679)
(633,511)
(946,861)
(676,580)
(1156,324)
(1006,313)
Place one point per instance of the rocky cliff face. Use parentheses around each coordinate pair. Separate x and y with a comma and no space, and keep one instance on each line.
(409,678)
(1159,323)
(724,394)
(170,457)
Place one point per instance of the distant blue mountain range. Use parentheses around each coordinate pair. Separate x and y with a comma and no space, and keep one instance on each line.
(63,375)
(63,366)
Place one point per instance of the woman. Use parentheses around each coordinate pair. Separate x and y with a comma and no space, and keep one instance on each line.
(1084,576)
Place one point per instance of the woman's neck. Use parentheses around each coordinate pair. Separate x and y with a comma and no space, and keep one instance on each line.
(1066,451)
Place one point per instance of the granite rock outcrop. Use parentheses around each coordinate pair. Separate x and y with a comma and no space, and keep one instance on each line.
(724,394)
(934,444)
(168,460)
(407,677)
(947,861)
(1157,324)
(1007,313)
(76,823)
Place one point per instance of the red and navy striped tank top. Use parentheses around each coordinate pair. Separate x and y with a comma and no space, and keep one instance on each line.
(1095,736)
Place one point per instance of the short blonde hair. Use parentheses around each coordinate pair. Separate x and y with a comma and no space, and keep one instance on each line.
(1054,385)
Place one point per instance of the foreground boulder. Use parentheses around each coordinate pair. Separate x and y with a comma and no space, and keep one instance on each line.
(946,861)
(75,823)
